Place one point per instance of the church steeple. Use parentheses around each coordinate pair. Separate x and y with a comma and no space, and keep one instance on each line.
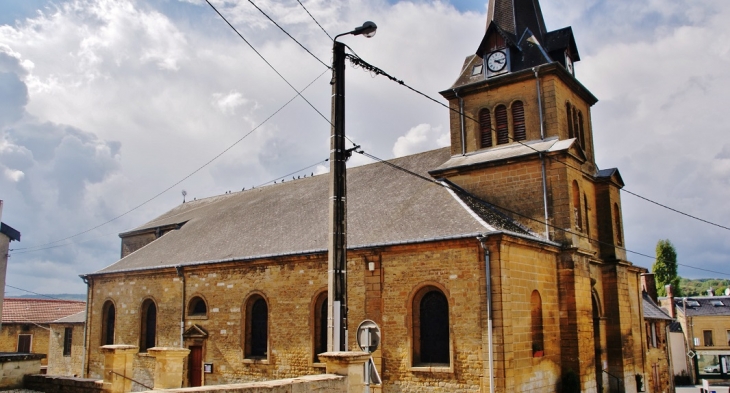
(515,16)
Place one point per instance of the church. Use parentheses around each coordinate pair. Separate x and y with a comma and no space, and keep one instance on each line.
(500,268)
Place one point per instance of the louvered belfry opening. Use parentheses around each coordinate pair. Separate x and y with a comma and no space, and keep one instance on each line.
(518,121)
(500,114)
(569,111)
(485,128)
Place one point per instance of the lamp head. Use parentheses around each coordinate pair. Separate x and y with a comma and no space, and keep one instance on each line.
(367,29)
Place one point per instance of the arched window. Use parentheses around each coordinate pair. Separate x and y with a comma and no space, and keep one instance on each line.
(578,215)
(617,221)
(257,327)
(518,121)
(569,116)
(431,328)
(588,219)
(197,307)
(148,328)
(581,131)
(538,346)
(320,325)
(576,127)
(108,319)
(500,114)
(485,128)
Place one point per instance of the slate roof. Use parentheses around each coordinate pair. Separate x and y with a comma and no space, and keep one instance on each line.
(385,206)
(21,310)
(79,317)
(705,308)
(652,311)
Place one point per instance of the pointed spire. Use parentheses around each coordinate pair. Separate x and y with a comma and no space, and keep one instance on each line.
(515,16)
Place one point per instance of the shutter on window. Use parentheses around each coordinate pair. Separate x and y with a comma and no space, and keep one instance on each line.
(518,121)
(502,128)
(485,128)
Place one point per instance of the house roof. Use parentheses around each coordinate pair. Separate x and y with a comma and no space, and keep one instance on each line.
(79,317)
(651,310)
(385,206)
(703,306)
(21,310)
(10,232)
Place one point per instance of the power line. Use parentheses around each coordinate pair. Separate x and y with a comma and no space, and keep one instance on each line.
(42,246)
(35,293)
(267,62)
(461,191)
(366,66)
(315,20)
(287,33)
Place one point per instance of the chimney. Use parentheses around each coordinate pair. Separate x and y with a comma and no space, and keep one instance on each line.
(710,292)
(648,285)
(670,297)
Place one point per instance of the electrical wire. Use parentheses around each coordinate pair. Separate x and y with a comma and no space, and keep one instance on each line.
(35,293)
(315,20)
(43,246)
(377,71)
(266,61)
(287,33)
(461,191)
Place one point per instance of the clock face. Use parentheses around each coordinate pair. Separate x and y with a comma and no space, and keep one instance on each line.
(569,65)
(496,61)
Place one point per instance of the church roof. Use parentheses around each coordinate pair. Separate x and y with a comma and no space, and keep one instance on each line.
(22,310)
(385,206)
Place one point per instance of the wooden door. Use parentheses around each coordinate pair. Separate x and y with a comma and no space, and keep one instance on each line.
(195,366)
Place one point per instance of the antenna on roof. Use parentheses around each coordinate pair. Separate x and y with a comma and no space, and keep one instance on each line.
(184,193)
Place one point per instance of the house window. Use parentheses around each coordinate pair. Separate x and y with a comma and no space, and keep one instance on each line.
(320,325)
(107,323)
(24,341)
(708,338)
(617,222)
(431,328)
(576,207)
(728,338)
(500,113)
(485,128)
(197,307)
(257,327)
(518,121)
(67,336)
(148,328)
(569,116)
(538,346)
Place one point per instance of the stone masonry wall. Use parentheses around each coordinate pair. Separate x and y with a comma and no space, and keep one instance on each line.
(70,365)
(9,338)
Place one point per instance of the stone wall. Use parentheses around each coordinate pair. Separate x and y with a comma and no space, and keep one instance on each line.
(13,367)
(39,341)
(325,383)
(66,365)
(59,384)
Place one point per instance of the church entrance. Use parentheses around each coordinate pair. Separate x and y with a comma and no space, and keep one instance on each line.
(195,365)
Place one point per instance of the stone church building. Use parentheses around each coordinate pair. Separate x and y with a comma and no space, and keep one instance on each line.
(506,274)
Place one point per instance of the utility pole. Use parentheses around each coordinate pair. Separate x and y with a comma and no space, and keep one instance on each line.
(337,241)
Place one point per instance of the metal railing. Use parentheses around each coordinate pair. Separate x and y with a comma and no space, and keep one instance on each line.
(137,382)
(618,381)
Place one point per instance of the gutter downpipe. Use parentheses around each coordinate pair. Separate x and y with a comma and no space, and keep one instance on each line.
(461,122)
(488,278)
(89,293)
(542,157)
(180,274)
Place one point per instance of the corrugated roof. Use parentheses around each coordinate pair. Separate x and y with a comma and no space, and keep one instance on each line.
(652,311)
(704,306)
(20,310)
(385,206)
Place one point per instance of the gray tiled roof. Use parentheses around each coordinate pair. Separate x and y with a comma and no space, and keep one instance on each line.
(705,308)
(79,317)
(652,311)
(385,206)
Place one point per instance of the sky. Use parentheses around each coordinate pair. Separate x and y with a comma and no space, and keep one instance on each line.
(109,109)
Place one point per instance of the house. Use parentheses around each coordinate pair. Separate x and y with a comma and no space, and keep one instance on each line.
(658,346)
(705,321)
(66,345)
(25,323)
(499,265)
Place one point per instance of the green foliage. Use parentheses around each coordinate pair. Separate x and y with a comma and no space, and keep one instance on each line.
(665,268)
(699,287)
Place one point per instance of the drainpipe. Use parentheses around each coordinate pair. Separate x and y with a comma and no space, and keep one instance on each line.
(542,157)
(488,278)
(87,317)
(180,274)
(461,122)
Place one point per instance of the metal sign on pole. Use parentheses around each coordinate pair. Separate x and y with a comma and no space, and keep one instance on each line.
(368,339)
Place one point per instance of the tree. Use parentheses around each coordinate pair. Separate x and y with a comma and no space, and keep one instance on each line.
(665,268)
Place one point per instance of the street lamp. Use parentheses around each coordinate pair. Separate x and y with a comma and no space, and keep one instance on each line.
(337,243)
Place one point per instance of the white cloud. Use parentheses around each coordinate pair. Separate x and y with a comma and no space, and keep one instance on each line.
(13,175)
(227,103)
(420,138)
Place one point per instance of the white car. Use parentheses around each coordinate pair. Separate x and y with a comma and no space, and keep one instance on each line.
(712,369)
